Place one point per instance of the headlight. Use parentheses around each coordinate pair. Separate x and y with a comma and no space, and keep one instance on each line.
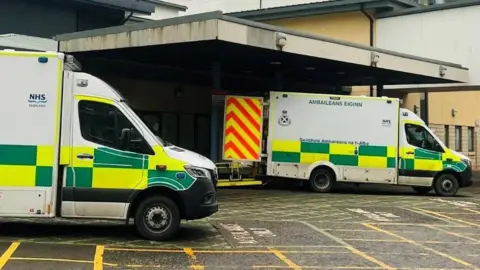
(468,162)
(197,172)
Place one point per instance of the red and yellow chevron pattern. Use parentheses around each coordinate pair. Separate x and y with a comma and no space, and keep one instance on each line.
(243,128)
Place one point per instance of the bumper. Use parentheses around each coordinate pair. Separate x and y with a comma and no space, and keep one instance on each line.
(200,200)
(466,177)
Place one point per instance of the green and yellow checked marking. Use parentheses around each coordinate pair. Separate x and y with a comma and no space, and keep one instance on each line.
(26,165)
(32,166)
(369,156)
(123,170)
(426,160)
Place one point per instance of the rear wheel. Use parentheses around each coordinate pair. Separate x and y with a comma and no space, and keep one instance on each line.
(446,185)
(422,190)
(157,218)
(321,180)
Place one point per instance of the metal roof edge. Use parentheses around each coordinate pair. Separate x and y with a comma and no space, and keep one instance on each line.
(139,19)
(141,26)
(335,41)
(318,8)
(169,4)
(129,5)
(301,13)
(438,7)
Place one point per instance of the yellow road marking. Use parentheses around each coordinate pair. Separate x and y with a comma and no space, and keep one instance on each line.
(8,253)
(317,267)
(49,260)
(284,259)
(369,258)
(312,252)
(193,259)
(206,251)
(98,260)
(471,210)
(350,247)
(447,217)
(375,240)
(453,233)
(145,250)
(419,245)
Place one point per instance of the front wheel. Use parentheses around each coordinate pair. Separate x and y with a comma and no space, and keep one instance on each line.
(321,180)
(446,185)
(157,218)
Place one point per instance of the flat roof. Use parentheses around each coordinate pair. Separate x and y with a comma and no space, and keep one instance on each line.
(333,57)
(322,8)
(431,8)
(23,42)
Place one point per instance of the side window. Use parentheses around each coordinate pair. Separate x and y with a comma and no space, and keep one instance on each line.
(418,136)
(106,125)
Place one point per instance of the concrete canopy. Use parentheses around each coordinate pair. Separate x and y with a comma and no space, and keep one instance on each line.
(184,48)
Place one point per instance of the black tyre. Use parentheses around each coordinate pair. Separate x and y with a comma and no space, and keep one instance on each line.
(157,218)
(422,190)
(321,180)
(446,185)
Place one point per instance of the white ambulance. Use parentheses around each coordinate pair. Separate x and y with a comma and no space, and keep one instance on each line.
(325,139)
(71,147)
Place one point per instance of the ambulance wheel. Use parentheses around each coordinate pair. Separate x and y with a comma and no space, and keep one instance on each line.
(422,190)
(446,185)
(321,180)
(157,218)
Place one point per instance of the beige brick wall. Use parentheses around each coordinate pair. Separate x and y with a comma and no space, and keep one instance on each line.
(440,132)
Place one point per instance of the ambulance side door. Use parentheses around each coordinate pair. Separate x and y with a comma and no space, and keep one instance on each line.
(109,158)
(420,155)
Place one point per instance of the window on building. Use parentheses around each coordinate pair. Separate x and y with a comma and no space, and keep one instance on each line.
(418,136)
(447,136)
(105,124)
(471,139)
(458,138)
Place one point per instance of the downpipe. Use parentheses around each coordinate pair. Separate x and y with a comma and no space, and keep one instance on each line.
(371,30)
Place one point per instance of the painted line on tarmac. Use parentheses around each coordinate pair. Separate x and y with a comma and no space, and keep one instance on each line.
(145,250)
(401,241)
(193,259)
(8,253)
(318,267)
(233,251)
(284,259)
(81,261)
(98,260)
(453,233)
(350,247)
(49,260)
(471,210)
(418,211)
(447,218)
(454,259)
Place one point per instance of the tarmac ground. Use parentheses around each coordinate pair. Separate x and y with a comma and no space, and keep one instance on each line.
(365,228)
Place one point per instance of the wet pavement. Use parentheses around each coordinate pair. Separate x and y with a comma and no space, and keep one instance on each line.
(366,228)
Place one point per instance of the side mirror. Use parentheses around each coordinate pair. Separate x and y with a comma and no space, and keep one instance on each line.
(125,138)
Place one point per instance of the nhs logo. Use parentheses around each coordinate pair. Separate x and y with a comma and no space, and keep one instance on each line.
(37,100)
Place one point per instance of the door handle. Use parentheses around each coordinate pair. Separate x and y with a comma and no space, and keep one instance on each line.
(410,153)
(85,156)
